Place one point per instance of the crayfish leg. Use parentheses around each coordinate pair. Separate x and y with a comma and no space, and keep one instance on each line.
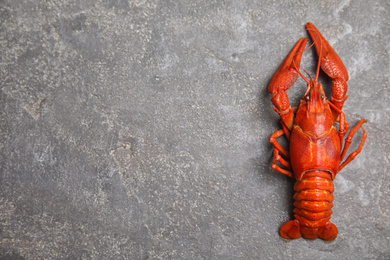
(290,230)
(348,141)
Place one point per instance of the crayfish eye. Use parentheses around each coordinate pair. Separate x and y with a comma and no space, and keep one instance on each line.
(307,98)
(322,96)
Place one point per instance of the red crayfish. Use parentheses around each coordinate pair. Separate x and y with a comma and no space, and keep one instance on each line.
(316,154)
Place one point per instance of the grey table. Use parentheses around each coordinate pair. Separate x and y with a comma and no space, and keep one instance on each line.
(139,129)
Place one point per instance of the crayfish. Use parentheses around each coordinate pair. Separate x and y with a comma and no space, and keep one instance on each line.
(316,149)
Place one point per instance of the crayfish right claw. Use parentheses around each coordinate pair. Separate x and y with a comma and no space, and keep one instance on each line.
(283,79)
(332,65)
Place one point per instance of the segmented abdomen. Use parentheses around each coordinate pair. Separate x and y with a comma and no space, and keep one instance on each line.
(313,201)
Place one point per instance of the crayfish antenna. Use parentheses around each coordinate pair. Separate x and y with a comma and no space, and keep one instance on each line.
(305,79)
(318,63)
(308,83)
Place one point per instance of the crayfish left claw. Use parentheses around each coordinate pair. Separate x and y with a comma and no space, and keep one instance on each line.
(283,79)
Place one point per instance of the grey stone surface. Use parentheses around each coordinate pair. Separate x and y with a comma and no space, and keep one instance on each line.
(139,129)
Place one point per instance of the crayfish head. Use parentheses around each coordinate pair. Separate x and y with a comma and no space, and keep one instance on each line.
(314,115)
(315,99)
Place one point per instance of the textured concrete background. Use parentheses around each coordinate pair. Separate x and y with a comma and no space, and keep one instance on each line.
(139,129)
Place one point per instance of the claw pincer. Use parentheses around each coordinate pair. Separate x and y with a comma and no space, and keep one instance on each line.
(316,152)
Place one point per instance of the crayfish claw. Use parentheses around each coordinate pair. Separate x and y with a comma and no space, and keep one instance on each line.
(287,74)
(283,79)
(331,63)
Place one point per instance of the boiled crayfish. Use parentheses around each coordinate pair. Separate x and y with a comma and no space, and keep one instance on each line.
(315,155)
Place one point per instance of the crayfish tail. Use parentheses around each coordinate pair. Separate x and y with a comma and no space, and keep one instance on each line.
(313,204)
(290,230)
(329,232)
